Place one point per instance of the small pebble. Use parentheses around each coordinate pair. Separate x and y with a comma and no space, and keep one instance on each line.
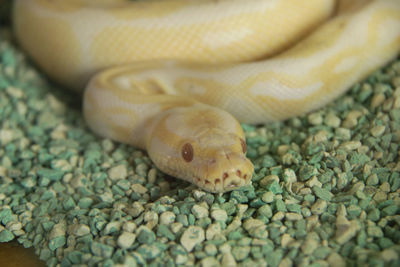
(118,172)
(126,239)
(191,237)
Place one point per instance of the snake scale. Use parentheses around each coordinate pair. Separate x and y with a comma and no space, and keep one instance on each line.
(177,77)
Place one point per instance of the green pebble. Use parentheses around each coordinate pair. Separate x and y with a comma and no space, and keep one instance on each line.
(6,236)
(6,216)
(69,203)
(280,205)
(374,231)
(364,203)
(274,233)
(294,208)
(37,239)
(309,198)
(204,222)
(86,239)
(183,219)
(306,212)
(163,230)
(265,211)
(394,181)
(229,207)
(45,254)
(256,252)
(372,246)
(390,210)
(372,179)
(53,175)
(75,257)
(185,208)
(299,234)
(240,252)
(343,198)
(58,187)
(57,242)
(47,226)
(102,250)
(239,196)
(322,193)
(235,235)
(277,170)
(274,258)
(362,238)
(385,203)
(210,250)
(146,236)
(117,190)
(374,215)
(85,203)
(353,211)
(268,161)
(256,203)
(148,251)
(385,243)
(191,219)
(395,114)
(274,187)
(321,252)
(200,255)
(306,172)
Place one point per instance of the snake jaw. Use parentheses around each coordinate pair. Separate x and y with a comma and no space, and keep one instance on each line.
(236,180)
(227,174)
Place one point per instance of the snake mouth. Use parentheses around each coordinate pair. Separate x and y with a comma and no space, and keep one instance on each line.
(234,179)
(227,181)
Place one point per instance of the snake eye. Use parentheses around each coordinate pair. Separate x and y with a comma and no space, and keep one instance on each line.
(244,146)
(187,152)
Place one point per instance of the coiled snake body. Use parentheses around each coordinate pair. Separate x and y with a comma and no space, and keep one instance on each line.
(175,77)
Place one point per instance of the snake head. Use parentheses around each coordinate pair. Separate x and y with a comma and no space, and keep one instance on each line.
(203,145)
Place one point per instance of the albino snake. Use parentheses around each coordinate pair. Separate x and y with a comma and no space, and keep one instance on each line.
(175,77)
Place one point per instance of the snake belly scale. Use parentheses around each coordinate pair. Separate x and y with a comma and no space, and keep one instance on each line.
(177,77)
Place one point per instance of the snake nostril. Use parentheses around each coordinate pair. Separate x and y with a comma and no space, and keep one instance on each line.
(245,176)
(217,181)
(239,173)
(225,175)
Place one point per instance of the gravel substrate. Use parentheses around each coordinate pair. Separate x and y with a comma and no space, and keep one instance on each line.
(326,188)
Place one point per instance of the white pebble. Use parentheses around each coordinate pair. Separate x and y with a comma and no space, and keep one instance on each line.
(118,172)
(79,229)
(219,215)
(167,217)
(191,237)
(126,239)
(199,211)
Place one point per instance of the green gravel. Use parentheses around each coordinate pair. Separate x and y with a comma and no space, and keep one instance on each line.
(326,187)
